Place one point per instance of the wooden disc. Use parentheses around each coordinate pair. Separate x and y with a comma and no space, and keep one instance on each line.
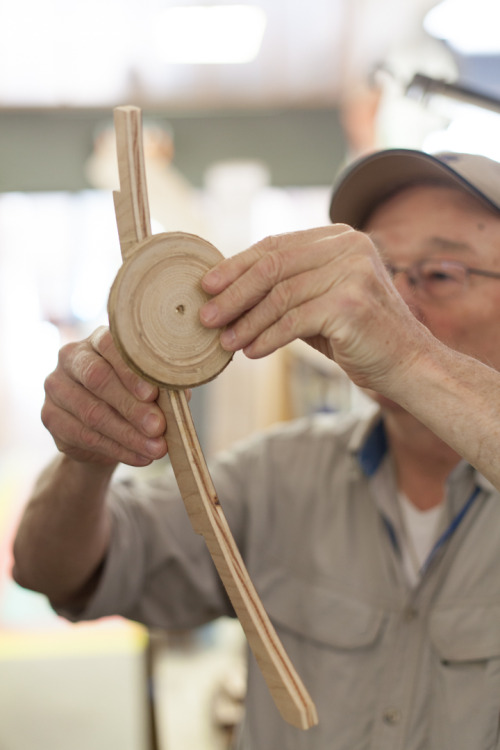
(154,311)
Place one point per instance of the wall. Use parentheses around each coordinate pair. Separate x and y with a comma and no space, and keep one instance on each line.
(45,149)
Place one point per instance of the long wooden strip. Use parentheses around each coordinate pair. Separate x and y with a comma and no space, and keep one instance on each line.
(193,478)
(208,519)
(131,203)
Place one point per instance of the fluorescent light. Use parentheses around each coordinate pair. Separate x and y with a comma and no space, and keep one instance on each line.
(208,34)
(471,28)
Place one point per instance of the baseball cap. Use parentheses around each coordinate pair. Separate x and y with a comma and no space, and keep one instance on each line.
(374,178)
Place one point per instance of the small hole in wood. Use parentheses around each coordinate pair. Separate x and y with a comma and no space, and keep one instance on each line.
(180,309)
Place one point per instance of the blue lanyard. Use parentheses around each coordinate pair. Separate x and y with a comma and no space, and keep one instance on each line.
(450,530)
(444,536)
(370,457)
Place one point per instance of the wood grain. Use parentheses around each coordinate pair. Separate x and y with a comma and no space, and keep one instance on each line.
(154,311)
(131,203)
(145,338)
(207,518)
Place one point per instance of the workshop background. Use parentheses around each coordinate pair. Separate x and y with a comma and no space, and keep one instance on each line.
(249,112)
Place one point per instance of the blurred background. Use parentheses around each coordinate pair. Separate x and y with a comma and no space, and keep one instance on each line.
(250,110)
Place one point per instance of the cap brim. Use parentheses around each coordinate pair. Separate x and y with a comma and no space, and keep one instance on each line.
(374,178)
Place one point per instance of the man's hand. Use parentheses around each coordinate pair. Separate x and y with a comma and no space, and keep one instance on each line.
(98,410)
(327,286)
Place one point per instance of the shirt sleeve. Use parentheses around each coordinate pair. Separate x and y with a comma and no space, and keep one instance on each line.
(158,571)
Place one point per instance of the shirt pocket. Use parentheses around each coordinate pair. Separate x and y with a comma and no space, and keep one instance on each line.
(320,612)
(332,638)
(466,677)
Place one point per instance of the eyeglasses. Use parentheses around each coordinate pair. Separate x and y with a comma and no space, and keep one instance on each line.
(439,279)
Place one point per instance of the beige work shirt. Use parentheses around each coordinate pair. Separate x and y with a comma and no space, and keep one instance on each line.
(312,508)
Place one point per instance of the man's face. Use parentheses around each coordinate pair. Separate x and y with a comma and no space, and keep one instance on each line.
(437,222)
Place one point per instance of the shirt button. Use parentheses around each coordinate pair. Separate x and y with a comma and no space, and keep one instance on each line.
(391,716)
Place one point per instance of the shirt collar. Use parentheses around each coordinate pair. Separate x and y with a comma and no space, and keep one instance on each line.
(373,451)
(369,443)
(370,446)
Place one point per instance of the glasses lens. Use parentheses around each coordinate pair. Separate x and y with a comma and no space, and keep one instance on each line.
(442,278)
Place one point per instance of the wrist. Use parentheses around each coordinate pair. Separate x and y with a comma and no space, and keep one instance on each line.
(89,470)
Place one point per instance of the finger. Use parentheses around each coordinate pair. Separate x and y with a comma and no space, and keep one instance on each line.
(82,443)
(282,298)
(273,260)
(353,311)
(97,418)
(92,371)
(306,322)
(102,341)
(228,270)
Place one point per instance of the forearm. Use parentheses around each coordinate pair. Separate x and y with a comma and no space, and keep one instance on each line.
(458,398)
(64,532)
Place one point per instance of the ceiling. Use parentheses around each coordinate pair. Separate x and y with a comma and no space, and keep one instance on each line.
(64,64)
(101,52)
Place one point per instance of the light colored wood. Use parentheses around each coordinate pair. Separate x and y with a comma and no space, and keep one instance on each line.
(208,519)
(193,478)
(154,311)
(131,203)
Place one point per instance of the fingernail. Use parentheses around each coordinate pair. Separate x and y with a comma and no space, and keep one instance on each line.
(155,447)
(211,279)
(144,390)
(208,312)
(141,460)
(228,339)
(151,424)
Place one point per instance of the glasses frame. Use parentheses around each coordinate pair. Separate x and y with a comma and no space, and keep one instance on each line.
(414,274)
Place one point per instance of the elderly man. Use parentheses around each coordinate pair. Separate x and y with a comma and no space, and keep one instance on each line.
(372,544)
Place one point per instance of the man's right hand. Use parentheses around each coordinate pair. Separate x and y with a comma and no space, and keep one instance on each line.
(98,410)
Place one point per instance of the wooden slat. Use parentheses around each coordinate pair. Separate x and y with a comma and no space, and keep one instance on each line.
(193,478)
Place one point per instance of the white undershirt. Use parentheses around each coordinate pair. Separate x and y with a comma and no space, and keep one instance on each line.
(421,531)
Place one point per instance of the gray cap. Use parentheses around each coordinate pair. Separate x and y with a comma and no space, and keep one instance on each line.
(373,178)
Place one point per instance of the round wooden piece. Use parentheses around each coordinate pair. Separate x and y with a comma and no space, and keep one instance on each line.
(154,311)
